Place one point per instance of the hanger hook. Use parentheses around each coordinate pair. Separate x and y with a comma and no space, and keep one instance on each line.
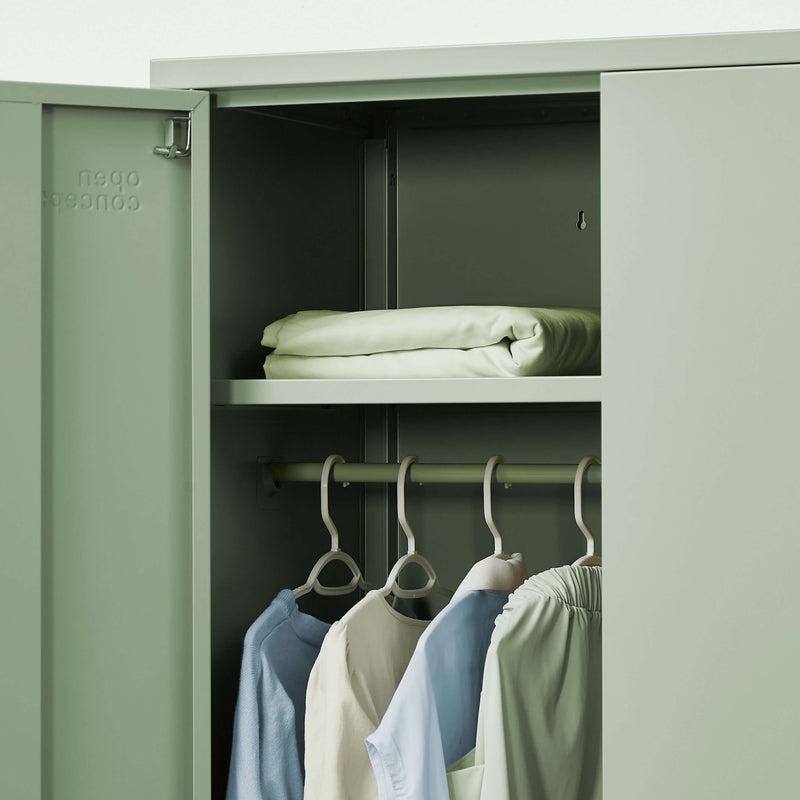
(487,502)
(401,502)
(583,465)
(327,467)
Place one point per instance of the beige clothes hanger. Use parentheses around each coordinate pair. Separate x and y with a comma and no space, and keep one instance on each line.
(590,559)
(334,554)
(411,557)
(487,503)
(499,571)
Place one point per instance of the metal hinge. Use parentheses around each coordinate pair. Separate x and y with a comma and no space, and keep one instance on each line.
(178,139)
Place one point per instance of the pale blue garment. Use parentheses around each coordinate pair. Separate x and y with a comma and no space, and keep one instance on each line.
(280,649)
(433,717)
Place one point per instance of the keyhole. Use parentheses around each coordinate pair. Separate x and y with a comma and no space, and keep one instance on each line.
(581,223)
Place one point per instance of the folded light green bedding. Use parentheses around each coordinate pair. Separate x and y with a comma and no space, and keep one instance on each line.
(435,342)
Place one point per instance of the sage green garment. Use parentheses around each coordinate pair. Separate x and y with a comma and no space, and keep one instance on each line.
(435,342)
(539,724)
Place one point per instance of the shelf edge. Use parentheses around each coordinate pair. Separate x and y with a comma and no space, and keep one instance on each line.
(397,391)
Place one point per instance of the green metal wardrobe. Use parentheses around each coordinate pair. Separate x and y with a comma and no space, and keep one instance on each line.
(148,236)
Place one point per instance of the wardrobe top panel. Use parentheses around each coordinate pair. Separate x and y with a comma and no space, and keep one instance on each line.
(581,57)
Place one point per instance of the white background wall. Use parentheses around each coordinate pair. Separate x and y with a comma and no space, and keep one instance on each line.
(112,41)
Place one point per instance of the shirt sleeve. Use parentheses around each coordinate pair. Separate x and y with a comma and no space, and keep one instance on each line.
(339,715)
(406,750)
(539,727)
(243,775)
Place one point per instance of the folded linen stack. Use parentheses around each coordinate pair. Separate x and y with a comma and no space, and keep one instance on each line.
(435,342)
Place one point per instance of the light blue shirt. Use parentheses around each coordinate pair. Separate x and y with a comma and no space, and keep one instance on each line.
(432,720)
(280,648)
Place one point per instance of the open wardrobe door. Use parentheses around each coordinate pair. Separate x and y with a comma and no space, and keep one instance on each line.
(99,431)
(700,433)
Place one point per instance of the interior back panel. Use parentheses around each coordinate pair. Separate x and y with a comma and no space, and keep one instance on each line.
(490,215)
(286,230)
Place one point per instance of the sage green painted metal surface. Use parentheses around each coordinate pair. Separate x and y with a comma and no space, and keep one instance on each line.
(375,192)
(201,448)
(700,433)
(118,642)
(20,451)
(358,92)
(548,389)
(65,94)
(488,214)
(98,443)
(380,444)
(431,64)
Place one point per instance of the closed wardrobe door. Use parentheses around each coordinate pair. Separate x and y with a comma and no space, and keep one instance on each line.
(701,283)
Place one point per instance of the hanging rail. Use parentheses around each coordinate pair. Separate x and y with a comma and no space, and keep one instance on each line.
(284,472)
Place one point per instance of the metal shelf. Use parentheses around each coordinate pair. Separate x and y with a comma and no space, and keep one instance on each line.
(393,391)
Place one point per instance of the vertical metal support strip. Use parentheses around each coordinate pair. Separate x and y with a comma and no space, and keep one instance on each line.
(22,488)
(391,216)
(379,437)
(375,224)
(201,447)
